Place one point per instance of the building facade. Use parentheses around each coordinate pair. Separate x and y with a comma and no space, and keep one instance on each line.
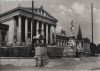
(62,40)
(21,27)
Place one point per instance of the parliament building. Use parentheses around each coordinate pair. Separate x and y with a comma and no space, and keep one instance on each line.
(19,25)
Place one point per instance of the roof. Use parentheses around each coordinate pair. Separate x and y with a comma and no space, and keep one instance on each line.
(37,11)
(62,37)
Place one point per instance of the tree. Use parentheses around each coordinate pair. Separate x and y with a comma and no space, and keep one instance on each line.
(93,48)
(98,48)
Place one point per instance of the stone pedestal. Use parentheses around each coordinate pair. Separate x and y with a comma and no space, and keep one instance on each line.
(41,55)
(70,50)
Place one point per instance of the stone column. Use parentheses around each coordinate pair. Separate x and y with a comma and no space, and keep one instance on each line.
(55,33)
(46,33)
(31,31)
(43,28)
(15,29)
(65,42)
(19,29)
(37,27)
(26,29)
(51,32)
(59,42)
(62,42)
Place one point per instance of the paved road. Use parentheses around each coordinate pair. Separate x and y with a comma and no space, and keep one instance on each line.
(87,63)
(83,66)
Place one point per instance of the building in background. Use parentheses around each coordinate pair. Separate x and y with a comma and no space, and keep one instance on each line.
(62,38)
(86,45)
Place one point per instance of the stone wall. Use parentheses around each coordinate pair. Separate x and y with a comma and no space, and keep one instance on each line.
(55,51)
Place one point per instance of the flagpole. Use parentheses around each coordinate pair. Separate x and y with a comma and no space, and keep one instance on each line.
(92,19)
(0,6)
(32,20)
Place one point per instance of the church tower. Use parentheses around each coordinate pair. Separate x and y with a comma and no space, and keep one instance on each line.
(79,35)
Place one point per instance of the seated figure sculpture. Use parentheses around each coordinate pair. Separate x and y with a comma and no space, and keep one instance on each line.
(40,50)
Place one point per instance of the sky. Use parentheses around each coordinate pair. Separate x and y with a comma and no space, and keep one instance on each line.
(65,11)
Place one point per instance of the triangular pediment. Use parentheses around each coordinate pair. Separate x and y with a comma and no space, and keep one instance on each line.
(37,11)
(40,11)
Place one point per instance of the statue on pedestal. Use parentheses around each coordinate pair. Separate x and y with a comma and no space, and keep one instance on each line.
(40,50)
(71,48)
(72,37)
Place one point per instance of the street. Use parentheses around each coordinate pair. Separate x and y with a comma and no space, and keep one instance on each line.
(83,63)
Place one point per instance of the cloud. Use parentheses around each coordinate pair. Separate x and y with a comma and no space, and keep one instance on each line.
(80,13)
(52,6)
(96,10)
(69,10)
(78,8)
(62,7)
(97,17)
(62,12)
(58,29)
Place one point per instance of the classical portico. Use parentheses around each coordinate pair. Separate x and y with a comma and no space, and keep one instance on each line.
(21,26)
(61,40)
